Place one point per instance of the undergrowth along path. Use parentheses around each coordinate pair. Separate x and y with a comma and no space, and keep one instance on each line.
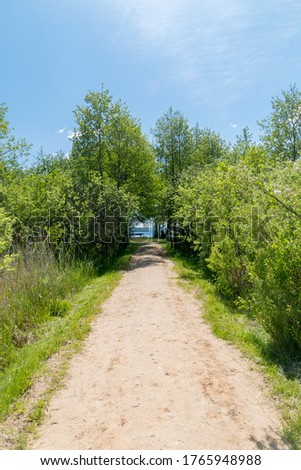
(152,376)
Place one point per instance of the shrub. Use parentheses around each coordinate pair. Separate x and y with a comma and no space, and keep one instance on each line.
(243,221)
(6,231)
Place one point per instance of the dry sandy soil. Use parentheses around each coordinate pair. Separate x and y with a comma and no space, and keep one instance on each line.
(152,376)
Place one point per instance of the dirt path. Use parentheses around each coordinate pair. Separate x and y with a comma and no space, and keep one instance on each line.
(152,376)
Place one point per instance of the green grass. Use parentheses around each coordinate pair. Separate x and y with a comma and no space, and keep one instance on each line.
(60,332)
(33,293)
(228,323)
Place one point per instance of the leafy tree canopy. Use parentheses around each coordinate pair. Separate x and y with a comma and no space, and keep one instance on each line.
(282,128)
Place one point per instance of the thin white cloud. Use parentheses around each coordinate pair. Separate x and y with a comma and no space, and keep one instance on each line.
(216,48)
(234,126)
(195,37)
(61,131)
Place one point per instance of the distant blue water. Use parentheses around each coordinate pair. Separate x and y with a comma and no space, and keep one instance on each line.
(148,232)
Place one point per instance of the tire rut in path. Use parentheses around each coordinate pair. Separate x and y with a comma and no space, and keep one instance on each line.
(152,376)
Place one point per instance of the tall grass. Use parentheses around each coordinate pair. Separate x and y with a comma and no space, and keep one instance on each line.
(34,292)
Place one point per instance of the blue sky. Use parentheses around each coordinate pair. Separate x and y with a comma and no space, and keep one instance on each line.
(218,61)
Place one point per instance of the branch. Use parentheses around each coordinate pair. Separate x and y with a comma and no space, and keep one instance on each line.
(288,208)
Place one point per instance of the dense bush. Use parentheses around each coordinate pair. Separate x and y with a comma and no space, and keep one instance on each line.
(6,233)
(244,222)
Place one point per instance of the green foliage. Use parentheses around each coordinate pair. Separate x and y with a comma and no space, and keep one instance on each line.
(6,231)
(243,221)
(276,274)
(229,268)
(90,144)
(109,148)
(282,128)
(173,145)
(179,150)
(208,147)
(12,153)
(10,150)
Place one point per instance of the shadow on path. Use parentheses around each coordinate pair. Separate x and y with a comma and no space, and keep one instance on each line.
(149,254)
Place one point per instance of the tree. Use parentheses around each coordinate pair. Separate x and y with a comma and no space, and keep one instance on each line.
(109,150)
(208,146)
(131,162)
(242,145)
(90,140)
(282,128)
(11,150)
(173,145)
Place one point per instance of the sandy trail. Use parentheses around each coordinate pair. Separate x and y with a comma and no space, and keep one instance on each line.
(152,376)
